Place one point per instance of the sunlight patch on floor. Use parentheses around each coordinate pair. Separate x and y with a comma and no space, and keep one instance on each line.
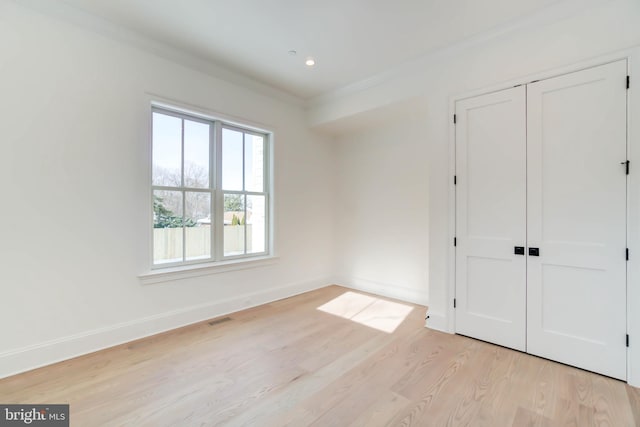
(370,311)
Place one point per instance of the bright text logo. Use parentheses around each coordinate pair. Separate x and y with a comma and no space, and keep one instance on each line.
(35,415)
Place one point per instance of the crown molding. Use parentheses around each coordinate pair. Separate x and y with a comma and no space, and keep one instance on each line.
(68,13)
(87,21)
(555,12)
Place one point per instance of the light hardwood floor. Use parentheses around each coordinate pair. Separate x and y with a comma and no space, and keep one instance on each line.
(325,358)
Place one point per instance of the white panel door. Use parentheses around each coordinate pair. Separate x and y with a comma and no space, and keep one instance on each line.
(576,287)
(490,217)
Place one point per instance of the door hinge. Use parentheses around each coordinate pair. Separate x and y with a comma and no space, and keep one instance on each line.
(454,304)
(627,340)
(455,242)
(628,82)
(455,179)
(627,254)
(455,119)
(628,166)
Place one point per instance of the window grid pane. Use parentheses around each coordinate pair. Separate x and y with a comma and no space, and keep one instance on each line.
(167,226)
(167,150)
(234,224)
(254,163)
(232,160)
(196,154)
(197,225)
(256,224)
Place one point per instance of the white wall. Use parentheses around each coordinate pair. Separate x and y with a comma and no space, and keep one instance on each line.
(382,216)
(75,173)
(74,162)
(556,38)
(545,43)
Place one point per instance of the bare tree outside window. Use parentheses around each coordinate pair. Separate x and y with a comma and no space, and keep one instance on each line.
(184,195)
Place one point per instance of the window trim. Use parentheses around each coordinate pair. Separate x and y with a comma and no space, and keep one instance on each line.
(205,269)
(217,259)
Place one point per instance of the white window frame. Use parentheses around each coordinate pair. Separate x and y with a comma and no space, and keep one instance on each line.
(216,192)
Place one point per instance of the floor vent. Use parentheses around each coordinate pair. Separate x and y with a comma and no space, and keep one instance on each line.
(221,320)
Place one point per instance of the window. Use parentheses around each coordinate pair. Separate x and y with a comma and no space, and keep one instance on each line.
(210,190)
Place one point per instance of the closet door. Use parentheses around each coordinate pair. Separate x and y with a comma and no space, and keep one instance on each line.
(576,283)
(490,217)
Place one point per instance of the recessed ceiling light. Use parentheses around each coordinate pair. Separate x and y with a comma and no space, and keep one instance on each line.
(310,62)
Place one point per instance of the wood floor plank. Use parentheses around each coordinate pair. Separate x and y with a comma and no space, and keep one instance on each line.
(634,400)
(368,380)
(420,412)
(527,418)
(568,413)
(545,392)
(279,405)
(484,390)
(331,357)
(610,402)
(386,406)
(414,388)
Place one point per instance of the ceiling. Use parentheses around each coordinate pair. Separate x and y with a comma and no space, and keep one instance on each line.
(350,40)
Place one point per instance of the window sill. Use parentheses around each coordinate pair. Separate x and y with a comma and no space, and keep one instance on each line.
(196,270)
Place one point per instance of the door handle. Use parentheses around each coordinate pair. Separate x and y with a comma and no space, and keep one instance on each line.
(518,250)
(534,252)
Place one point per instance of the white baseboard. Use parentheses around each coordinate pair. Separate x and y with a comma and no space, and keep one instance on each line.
(34,356)
(383,289)
(437,322)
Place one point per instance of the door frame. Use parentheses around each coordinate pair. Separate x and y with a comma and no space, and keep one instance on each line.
(632,56)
